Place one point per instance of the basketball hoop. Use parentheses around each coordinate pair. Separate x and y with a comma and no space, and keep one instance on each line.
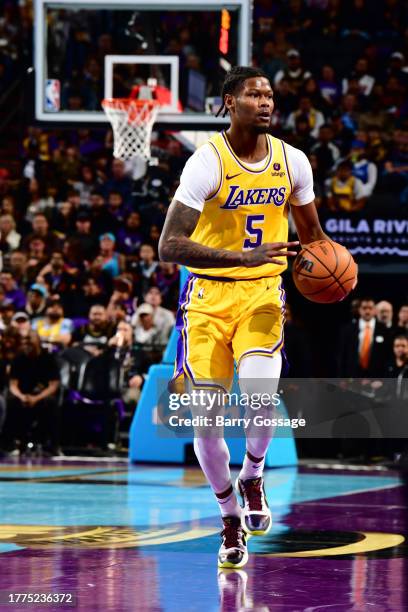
(132,122)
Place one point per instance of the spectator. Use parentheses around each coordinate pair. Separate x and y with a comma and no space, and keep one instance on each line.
(399,360)
(36,301)
(302,138)
(312,91)
(38,203)
(145,268)
(73,197)
(119,182)
(7,311)
(375,116)
(130,237)
(10,341)
(18,267)
(57,280)
(394,96)
(154,235)
(134,363)
(327,154)
(364,345)
(163,318)
(350,114)
(54,328)
(63,218)
(118,313)
(344,191)
(3,299)
(305,109)
(295,74)
(33,387)
(146,331)
(328,85)
(342,135)
(68,164)
(41,229)
(167,279)
(83,237)
(21,321)
(101,220)
(384,313)
(402,324)
(397,67)
(395,177)
(122,294)
(92,293)
(97,331)
(123,338)
(13,293)
(8,204)
(112,261)
(9,237)
(103,278)
(366,81)
(116,208)
(363,169)
(85,185)
(271,64)
(37,258)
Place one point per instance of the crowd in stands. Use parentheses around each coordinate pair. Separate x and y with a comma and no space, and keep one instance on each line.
(78,233)
(374,344)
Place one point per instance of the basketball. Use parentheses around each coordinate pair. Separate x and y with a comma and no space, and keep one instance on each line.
(325,272)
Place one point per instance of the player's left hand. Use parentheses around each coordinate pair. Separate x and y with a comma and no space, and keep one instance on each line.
(268,252)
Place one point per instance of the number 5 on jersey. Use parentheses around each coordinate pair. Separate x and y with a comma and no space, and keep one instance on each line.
(254,233)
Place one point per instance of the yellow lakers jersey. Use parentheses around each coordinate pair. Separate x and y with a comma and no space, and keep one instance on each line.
(344,192)
(248,208)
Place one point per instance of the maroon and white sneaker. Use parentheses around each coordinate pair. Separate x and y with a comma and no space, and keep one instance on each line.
(256,518)
(233,551)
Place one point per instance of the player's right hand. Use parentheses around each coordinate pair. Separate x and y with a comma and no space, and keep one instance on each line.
(268,253)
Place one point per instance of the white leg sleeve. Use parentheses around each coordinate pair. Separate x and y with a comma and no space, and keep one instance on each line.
(259,374)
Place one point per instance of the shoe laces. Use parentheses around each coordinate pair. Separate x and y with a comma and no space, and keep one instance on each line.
(253,493)
(232,533)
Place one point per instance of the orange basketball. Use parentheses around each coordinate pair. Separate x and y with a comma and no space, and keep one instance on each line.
(325,272)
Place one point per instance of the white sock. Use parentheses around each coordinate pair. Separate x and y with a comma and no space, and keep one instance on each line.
(228,502)
(213,457)
(258,374)
(252,467)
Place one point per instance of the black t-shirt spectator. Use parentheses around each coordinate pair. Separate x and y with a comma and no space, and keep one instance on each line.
(86,245)
(34,374)
(88,335)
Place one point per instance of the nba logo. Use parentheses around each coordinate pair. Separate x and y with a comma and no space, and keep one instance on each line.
(52,95)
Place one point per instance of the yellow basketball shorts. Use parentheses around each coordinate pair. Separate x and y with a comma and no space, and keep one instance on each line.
(221,321)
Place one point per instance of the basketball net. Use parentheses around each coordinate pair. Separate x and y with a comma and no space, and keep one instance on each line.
(132,121)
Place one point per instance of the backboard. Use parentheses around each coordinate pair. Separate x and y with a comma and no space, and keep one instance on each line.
(87,50)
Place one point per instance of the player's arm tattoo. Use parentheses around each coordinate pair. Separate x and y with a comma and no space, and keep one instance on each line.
(176,246)
(307,223)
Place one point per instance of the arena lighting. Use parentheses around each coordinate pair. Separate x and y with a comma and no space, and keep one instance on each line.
(223,44)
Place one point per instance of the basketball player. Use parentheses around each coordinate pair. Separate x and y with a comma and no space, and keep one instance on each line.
(228,223)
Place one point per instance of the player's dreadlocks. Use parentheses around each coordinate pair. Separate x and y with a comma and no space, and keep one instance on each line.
(234,81)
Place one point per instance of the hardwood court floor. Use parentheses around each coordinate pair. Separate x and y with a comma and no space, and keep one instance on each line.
(123,537)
